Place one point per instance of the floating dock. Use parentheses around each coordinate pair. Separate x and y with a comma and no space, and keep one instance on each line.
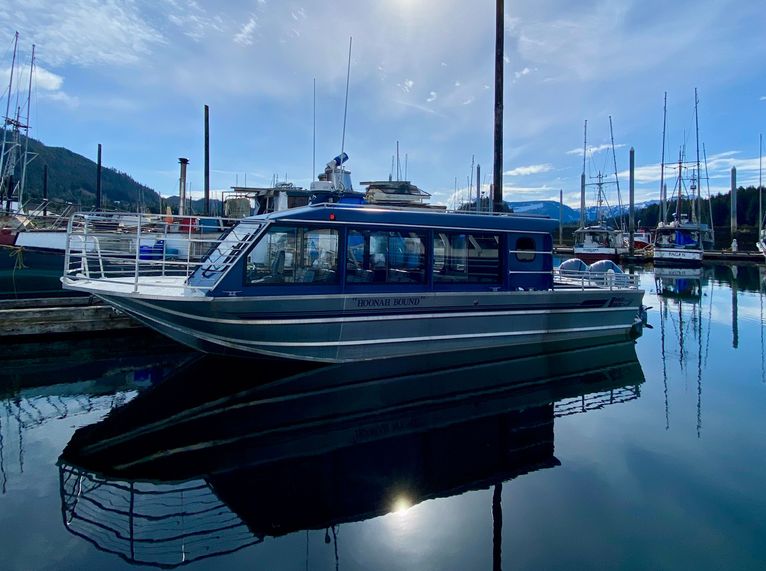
(60,316)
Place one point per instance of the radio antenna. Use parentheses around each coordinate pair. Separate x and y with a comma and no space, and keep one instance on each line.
(345,107)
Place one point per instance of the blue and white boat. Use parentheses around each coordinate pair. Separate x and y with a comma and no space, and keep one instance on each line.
(341,283)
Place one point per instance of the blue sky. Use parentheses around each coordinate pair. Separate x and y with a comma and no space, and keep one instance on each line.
(134,75)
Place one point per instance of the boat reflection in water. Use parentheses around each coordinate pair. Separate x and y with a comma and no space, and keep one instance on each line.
(187,471)
(683,315)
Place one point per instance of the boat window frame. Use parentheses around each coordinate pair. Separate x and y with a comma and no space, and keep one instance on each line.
(299,251)
(471,235)
(387,286)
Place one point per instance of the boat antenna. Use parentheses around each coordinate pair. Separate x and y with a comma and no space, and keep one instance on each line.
(663,198)
(345,106)
(314,142)
(405,166)
(616,179)
(398,167)
(470,180)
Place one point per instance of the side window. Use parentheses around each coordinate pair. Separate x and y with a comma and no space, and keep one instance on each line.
(525,249)
(466,257)
(294,255)
(384,257)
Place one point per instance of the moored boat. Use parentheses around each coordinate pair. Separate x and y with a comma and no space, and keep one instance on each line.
(340,283)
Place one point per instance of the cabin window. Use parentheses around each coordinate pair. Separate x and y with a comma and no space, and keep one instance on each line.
(525,249)
(466,257)
(384,257)
(294,255)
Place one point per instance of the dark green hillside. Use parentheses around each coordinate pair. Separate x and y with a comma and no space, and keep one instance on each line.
(72,178)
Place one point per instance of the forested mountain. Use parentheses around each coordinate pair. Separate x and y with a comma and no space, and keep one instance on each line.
(72,178)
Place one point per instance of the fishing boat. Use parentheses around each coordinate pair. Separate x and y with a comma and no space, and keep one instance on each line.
(602,240)
(683,239)
(335,282)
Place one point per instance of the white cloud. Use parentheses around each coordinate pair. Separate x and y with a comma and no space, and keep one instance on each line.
(431,97)
(47,80)
(85,33)
(593,150)
(523,72)
(530,169)
(245,35)
(470,100)
(61,97)
(406,85)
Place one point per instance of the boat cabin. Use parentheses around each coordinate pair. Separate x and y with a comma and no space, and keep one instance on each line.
(334,248)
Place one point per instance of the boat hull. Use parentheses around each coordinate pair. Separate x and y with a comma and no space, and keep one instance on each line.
(347,328)
(671,256)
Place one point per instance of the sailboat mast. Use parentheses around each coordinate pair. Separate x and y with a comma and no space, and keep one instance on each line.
(663,198)
(709,201)
(6,116)
(616,178)
(26,131)
(699,181)
(680,184)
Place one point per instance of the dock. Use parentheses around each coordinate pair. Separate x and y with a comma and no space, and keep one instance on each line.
(60,316)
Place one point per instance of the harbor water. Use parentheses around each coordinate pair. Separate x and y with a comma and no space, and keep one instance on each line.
(129,451)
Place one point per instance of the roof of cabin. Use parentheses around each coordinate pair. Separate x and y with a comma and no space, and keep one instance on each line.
(409,217)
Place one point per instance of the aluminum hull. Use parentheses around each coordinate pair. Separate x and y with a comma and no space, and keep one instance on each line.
(347,327)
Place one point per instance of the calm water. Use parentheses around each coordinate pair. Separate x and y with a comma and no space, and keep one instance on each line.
(128,451)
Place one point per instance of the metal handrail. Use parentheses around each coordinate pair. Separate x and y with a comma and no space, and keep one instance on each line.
(604,280)
(130,247)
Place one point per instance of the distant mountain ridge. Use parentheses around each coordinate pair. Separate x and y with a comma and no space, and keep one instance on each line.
(570,215)
(72,178)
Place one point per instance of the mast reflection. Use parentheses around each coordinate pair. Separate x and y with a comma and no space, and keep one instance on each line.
(187,470)
(680,295)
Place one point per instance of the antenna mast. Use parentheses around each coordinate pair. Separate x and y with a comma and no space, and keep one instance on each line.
(345,107)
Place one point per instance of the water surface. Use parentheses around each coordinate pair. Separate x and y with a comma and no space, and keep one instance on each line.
(129,451)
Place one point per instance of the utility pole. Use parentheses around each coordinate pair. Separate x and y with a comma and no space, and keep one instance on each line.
(497,174)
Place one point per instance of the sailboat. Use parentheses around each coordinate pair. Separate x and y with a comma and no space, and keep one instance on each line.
(599,241)
(683,239)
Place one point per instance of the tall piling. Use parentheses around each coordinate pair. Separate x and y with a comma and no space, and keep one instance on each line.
(632,199)
(182,186)
(207,161)
(497,174)
(733,202)
(98,179)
